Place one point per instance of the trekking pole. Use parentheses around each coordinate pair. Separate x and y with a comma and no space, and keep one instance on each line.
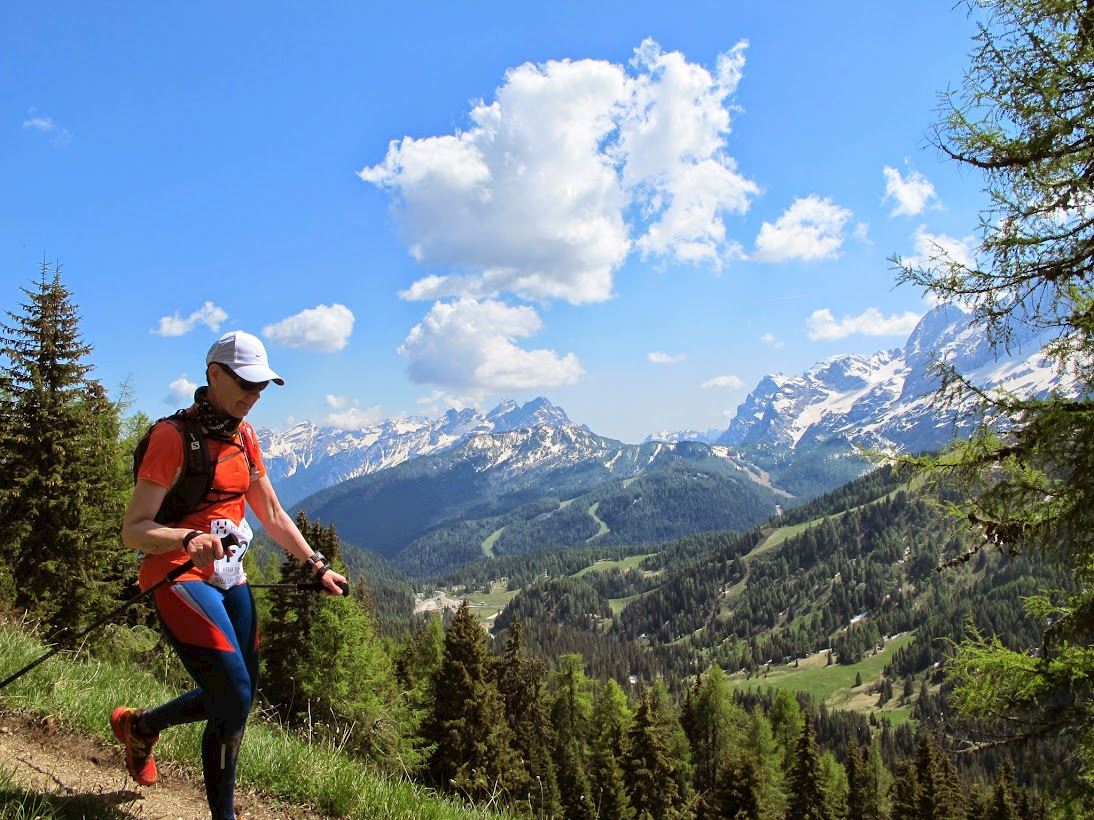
(301,586)
(228,541)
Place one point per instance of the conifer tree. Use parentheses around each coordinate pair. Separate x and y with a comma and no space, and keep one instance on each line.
(787,723)
(473,753)
(906,794)
(570,716)
(416,664)
(520,682)
(653,787)
(1003,805)
(762,748)
(61,497)
(856,782)
(736,790)
(808,799)
(611,722)
(717,727)
(875,782)
(1023,116)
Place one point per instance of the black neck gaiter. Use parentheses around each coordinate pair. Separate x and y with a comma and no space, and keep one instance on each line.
(215,421)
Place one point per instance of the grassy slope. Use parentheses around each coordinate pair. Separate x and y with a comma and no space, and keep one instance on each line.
(835,685)
(80,694)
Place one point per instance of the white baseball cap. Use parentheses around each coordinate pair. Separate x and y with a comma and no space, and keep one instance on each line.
(244,355)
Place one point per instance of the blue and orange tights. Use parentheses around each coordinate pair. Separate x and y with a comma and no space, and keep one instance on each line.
(215,633)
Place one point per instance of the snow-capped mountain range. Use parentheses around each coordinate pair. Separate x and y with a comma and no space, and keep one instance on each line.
(307,458)
(887,400)
(879,401)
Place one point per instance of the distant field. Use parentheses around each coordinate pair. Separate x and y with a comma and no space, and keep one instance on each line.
(835,684)
(623,564)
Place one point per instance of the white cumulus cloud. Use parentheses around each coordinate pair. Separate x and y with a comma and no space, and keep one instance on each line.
(570,167)
(354,417)
(180,392)
(324,328)
(811,228)
(657,357)
(771,340)
(470,345)
(334,401)
(823,325)
(910,194)
(208,314)
(721,382)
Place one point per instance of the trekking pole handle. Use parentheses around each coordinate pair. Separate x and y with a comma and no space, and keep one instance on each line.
(229,540)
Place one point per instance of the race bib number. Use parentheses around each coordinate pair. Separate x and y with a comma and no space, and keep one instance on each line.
(228,571)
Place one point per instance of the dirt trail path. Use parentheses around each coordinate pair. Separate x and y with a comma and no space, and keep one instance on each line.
(75,770)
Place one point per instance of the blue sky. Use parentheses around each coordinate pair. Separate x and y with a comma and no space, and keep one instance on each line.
(635,209)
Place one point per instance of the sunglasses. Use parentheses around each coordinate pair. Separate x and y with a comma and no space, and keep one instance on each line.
(243,384)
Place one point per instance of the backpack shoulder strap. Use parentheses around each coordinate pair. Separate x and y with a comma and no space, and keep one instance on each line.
(196,476)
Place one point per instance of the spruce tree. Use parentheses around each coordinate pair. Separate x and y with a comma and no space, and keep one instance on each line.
(856,782)
(906,793)
(653,789)
(787,723)
(736,790)
(718,726)
(473,753)
(808,799)
(520,683)
(570,718)
(611,722)
(875,782)
(762,748)
(1023,117)
(61,493)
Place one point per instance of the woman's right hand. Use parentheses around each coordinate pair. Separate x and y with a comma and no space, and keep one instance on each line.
(204,549)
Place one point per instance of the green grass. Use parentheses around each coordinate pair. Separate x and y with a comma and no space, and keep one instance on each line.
(834,685)
(606,564)
(487,606)
(490,540)
(602,528)
(80,693)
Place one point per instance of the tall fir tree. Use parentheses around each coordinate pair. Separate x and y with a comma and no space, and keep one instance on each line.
(856,782)
(716,727)
(762,748)
(473,753)
(611,721)
(736,790)
(808,799)
(876,782)
(906,793)
(520,682)
(61,491)
(654,792)
(1023,117)
(570,717)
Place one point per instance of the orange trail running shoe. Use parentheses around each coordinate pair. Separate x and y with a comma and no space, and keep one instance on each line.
(138,748)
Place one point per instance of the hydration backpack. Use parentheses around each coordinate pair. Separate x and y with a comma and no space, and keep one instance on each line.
(191,488)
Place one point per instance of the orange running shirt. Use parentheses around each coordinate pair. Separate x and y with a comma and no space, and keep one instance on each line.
(236,468)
